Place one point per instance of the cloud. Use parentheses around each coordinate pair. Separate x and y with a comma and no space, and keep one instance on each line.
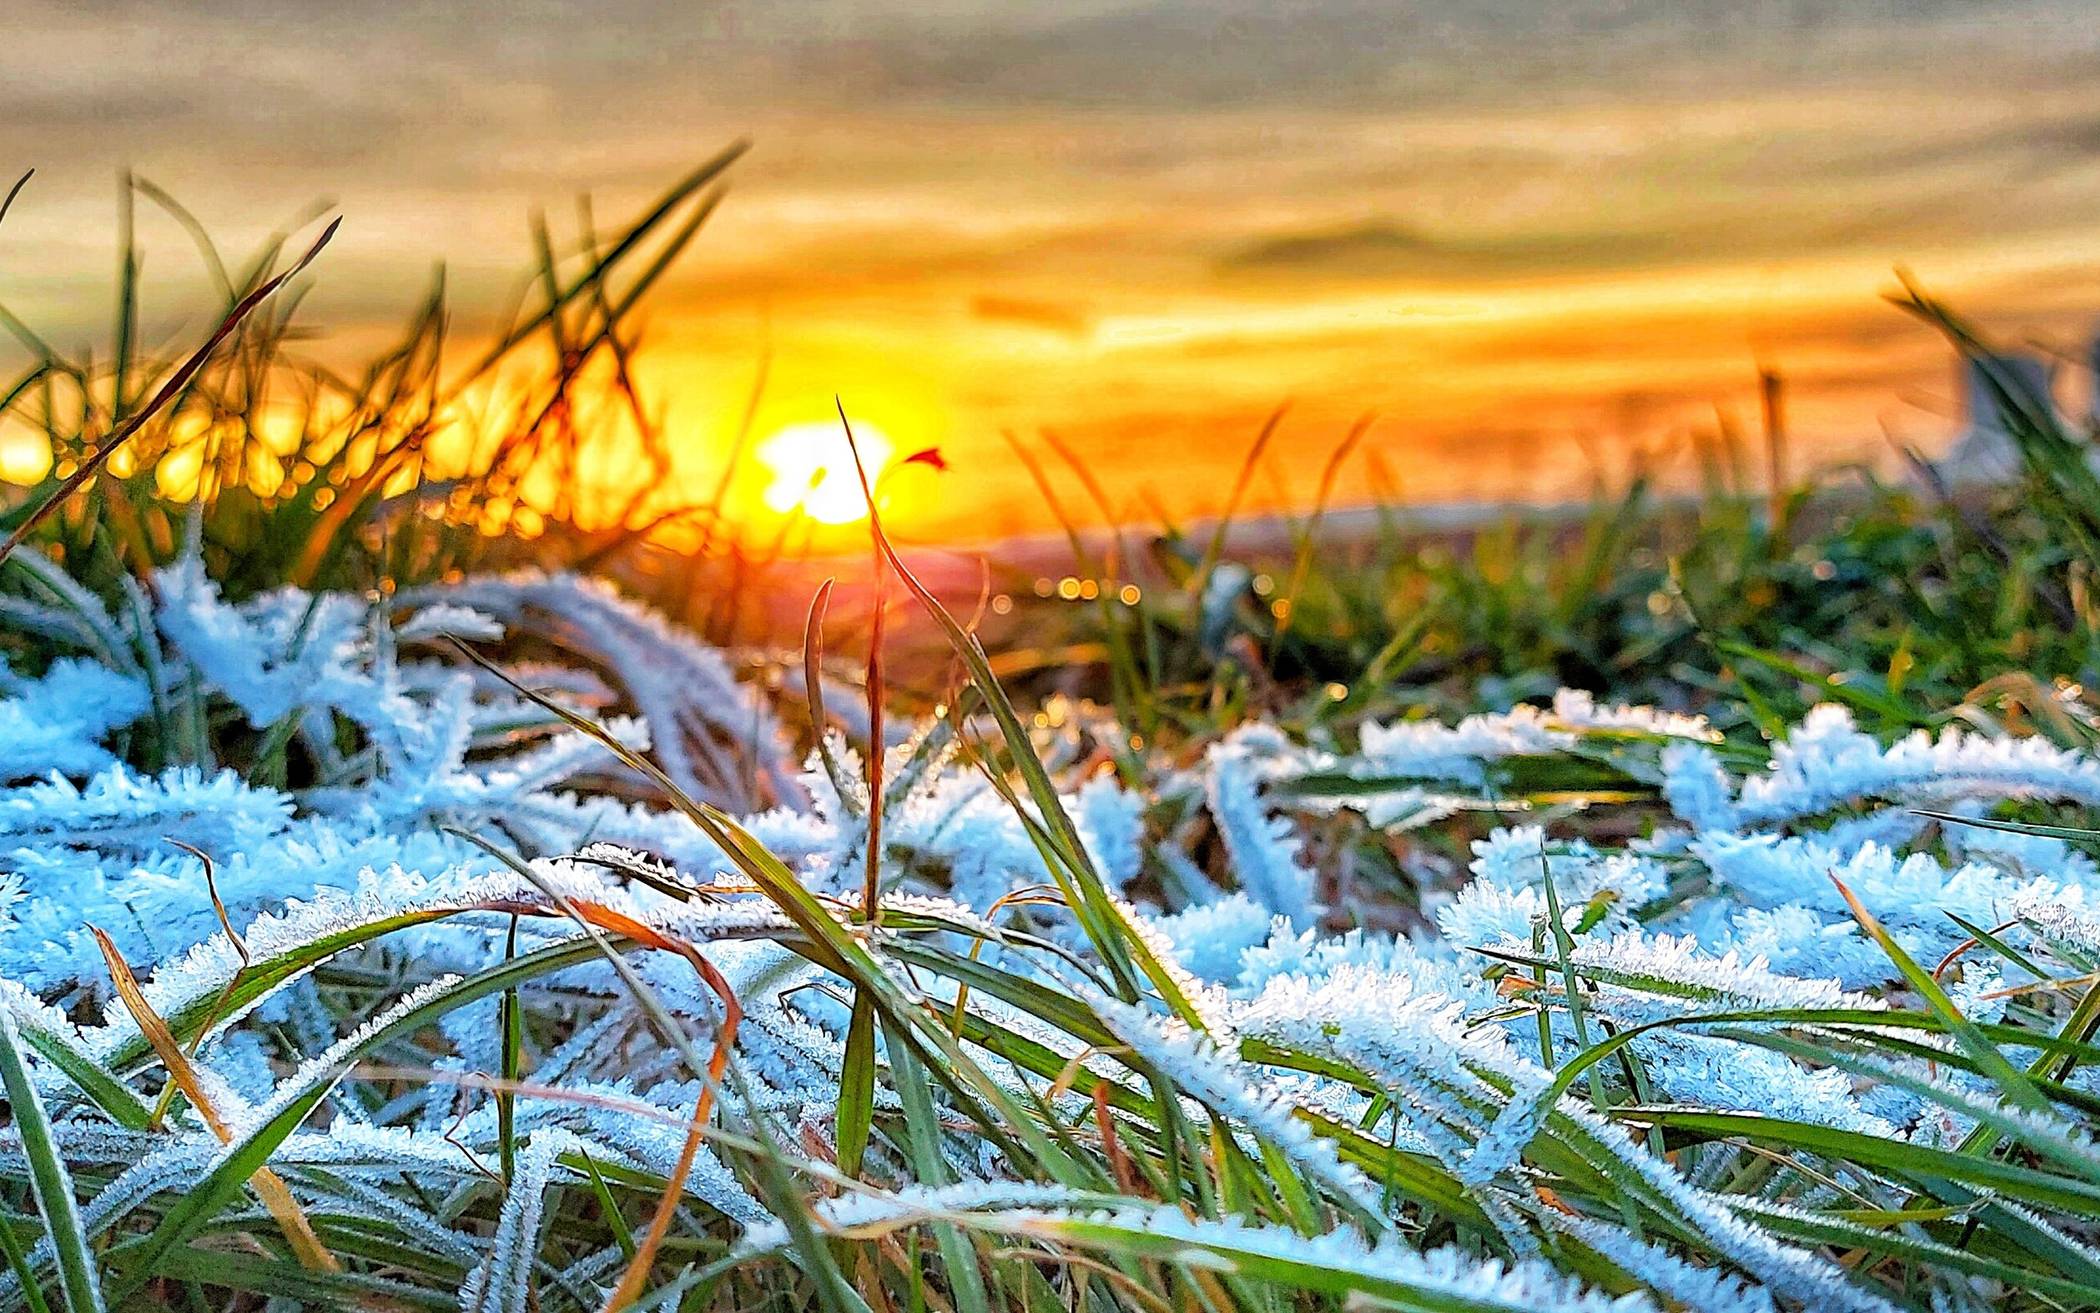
(1060,317)
(1379,245)
(1381,249)
(1236,54)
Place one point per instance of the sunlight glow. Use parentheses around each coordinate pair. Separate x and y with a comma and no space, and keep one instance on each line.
(812,470)
(25,456)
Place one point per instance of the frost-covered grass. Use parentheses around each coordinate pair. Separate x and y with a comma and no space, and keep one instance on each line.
(488,992)
(430,935)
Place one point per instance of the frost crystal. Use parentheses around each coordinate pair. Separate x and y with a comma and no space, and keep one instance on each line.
(357,849)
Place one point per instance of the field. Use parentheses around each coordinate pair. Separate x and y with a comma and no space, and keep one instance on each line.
(420,896)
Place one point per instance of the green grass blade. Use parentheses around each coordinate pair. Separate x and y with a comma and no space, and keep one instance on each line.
(18,1263)
(239,1163)
(922,1129)
(49,1181)
(856,1108)
(2013,1084)
(1896,1159)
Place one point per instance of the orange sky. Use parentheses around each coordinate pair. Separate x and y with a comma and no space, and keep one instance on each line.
(1532,239)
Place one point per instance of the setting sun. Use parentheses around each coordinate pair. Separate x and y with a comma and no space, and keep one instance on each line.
(1261,537)
(812,470)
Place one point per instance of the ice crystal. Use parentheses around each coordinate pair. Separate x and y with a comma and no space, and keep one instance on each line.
(1312,1044)
(57,722)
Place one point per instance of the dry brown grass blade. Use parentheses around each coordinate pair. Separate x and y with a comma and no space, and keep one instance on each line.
(269,1187)
(218,905)
(603,918)
(637,1274)
(14,191)
(169,390)
(240,946)
(1111,1144)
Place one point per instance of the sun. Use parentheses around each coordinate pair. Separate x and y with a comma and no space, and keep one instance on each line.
(812,470)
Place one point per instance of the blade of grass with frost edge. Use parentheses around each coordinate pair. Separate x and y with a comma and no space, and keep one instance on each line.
(1898,1160)
(50,1183)
(595,920)
(276,1196)
(1892,1242)
(828,943)
(922,1130)
(1119,946)
(2012,1083)
(245,1159)
(18,1263)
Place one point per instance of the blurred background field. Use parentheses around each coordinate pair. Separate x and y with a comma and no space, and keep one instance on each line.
(1770,577)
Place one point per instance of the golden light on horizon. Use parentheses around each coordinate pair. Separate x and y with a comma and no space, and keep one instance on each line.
(812,471)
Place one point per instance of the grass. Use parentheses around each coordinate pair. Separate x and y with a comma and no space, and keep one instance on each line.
(399,471)
(1899,598)
(1147,1160)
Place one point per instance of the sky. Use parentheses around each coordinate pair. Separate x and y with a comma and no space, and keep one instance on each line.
(1537,244)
